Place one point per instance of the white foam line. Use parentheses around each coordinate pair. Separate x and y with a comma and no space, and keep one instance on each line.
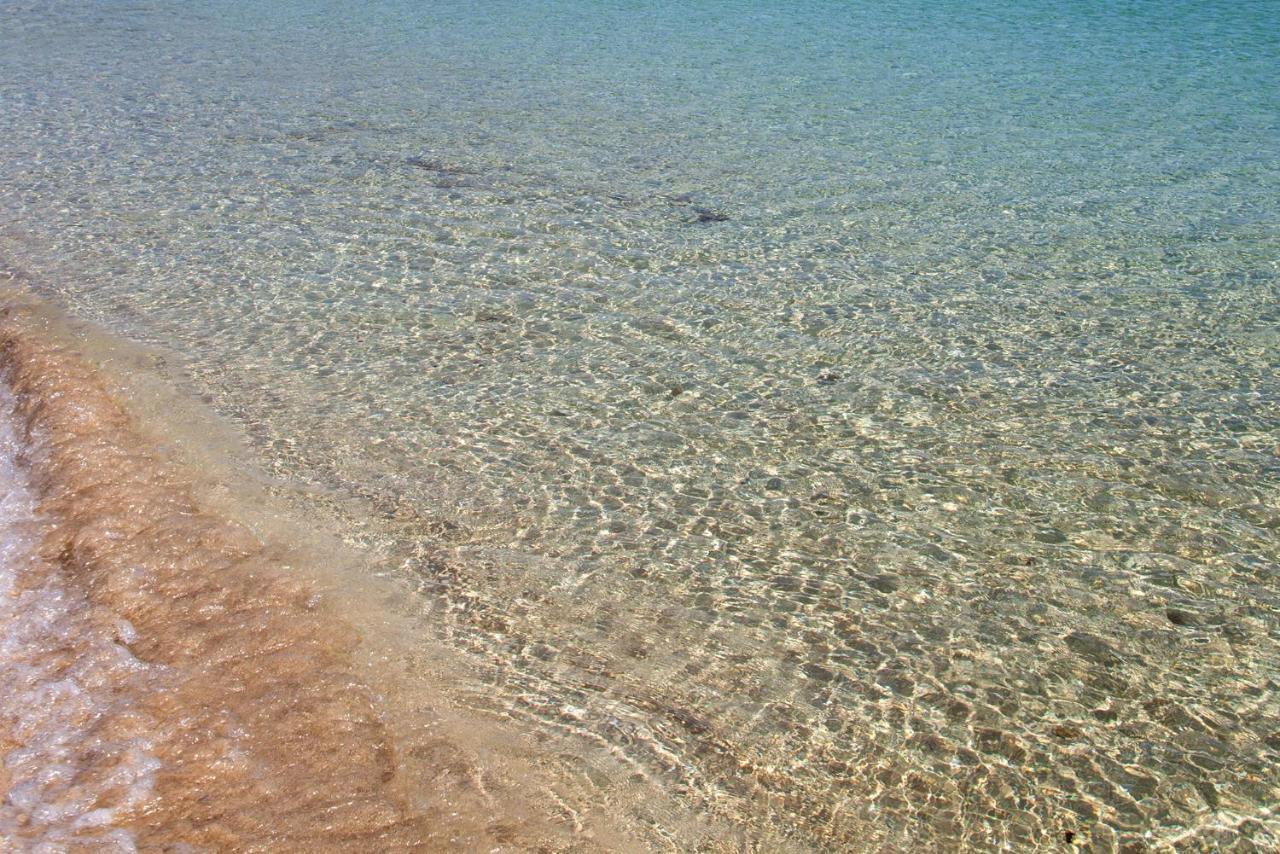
(65,673)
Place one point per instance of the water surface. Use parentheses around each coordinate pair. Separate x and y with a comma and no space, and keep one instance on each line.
(861,418)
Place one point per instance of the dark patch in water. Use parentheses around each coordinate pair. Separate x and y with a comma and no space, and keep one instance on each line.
(435,164)
(707,215)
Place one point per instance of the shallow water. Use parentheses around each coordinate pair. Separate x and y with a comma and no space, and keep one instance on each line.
(864,422)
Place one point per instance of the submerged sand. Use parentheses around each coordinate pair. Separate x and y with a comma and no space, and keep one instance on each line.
(171,680)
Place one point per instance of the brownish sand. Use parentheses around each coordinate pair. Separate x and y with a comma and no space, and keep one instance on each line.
(254,704)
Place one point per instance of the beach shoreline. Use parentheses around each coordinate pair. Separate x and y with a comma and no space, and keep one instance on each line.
(259,704)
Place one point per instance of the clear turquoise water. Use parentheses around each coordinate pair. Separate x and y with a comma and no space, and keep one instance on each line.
(864,418)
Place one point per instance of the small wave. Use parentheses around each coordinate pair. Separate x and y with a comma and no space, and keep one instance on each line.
(76,752)
(165,681)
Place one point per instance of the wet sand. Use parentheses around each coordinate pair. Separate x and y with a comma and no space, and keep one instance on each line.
(183,681)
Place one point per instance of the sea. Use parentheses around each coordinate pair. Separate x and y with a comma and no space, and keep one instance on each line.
(858,419)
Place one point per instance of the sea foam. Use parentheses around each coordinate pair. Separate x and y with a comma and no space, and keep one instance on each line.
(69,767)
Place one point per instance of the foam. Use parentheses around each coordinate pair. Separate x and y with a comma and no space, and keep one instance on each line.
(72,765)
